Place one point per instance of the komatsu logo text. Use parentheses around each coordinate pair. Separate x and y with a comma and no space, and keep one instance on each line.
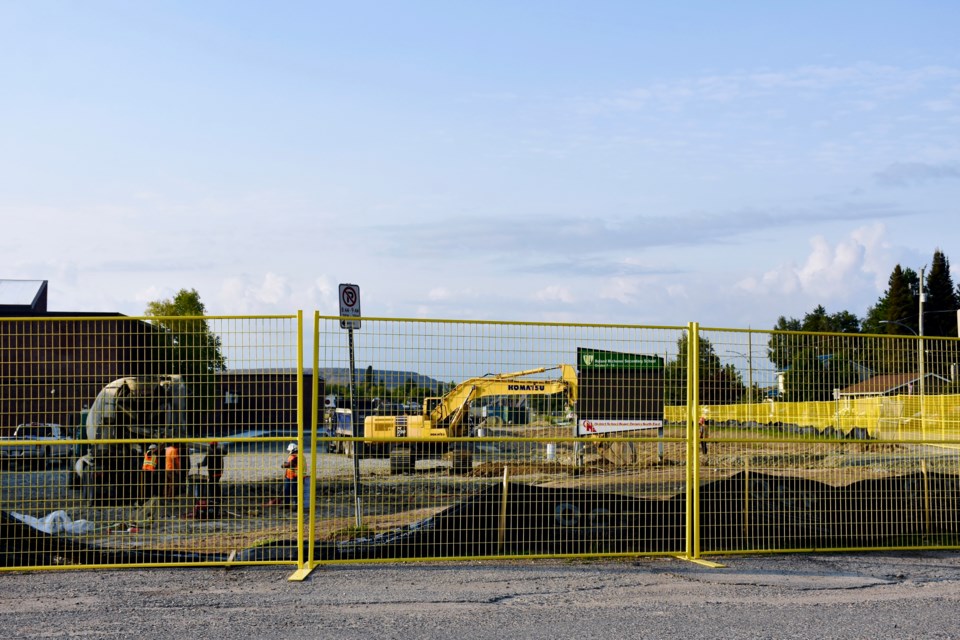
(526,387)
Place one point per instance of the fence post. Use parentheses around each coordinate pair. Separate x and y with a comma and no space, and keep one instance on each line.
(693,441)
(315,426)
(502,530)
(303,566)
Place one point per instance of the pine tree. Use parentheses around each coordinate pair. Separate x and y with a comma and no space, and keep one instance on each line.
(901,303)
(901,319)
(940,318)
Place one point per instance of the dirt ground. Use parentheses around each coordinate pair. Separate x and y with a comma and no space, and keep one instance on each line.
(433,488)
(391,502)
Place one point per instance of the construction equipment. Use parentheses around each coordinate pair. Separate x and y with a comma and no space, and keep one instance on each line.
(127,415)
(446,417)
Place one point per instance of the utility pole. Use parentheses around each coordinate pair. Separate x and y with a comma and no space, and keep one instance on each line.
(923,424)
(750,397)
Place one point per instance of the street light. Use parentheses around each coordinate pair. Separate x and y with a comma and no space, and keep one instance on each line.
(897,322)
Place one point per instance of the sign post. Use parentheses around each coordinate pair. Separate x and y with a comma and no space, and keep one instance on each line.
(350,308)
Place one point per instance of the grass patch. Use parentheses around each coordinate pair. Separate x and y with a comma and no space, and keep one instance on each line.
(351,533)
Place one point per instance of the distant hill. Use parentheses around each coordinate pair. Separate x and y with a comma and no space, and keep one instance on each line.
(390,379)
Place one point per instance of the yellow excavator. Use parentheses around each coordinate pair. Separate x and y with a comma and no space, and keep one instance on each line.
(448,416)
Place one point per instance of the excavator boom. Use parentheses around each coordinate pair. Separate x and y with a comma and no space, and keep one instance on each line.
(450,409)
(444,418)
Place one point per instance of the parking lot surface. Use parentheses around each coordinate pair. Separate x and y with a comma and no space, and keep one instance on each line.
(888,595)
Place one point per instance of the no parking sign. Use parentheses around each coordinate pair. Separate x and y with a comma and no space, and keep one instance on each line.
(349,306)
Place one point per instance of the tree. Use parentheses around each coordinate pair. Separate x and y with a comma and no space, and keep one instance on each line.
(410,391)
(778,347)
(817,361)
(813,374)
(896,314)
(872,321)
(718,383)
(188,347)
(940,318)
(901,304)
(783,348)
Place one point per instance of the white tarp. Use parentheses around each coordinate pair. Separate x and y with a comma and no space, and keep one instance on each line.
(56,522)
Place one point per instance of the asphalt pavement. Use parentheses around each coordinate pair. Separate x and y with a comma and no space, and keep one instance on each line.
(867,595)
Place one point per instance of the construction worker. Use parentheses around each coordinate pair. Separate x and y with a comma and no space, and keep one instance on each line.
(292,467)
(171,476)
(149,475)
(704,433)
(213,461)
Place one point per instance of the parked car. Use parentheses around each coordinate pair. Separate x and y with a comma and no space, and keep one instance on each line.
(36,444)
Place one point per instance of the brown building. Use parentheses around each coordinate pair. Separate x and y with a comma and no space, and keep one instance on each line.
(53,364)
(252,400)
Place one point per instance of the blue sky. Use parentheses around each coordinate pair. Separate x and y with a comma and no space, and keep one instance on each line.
(611,162)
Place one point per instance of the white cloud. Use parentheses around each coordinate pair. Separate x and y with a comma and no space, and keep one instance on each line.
(273,289)
(151,294)
(555,293)
(677,291)
(878,260)
(438,293)
(829,269)
(838,271)
(322,289)
(623,290)
(272,294)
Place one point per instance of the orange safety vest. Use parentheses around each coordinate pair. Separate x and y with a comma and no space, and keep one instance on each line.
(149,462)
(291,467)
(172,459)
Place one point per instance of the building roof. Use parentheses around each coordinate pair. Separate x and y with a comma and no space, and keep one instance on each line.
(23,296)
(888,383)
(28,298)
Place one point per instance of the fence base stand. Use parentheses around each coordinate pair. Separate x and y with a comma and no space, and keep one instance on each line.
(300,574)
(706,563)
